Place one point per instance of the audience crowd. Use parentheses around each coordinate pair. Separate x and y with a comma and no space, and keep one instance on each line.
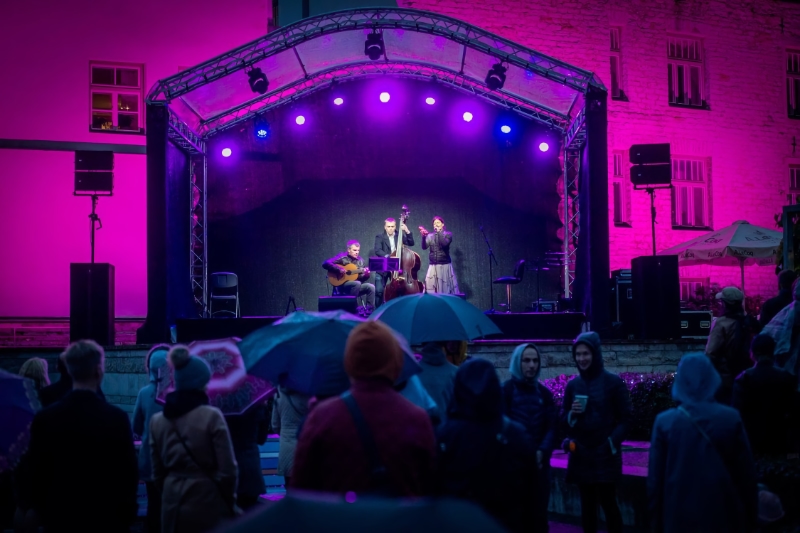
(453,430)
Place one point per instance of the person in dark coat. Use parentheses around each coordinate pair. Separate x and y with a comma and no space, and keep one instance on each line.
(385,246)
(83,441)
(483,455)
(531,404)
(330,454)
(766,398)
(437,376)
(701,475)
(596,415)
(55,392)
(774,305)
(248,431)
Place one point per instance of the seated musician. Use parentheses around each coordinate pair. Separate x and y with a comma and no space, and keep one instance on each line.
(385,246)
(352,288)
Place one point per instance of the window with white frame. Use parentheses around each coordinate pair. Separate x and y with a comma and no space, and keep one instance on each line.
(694,289)
(793,82)
(793,197)
(116,98)
(616,65)
(690,193)
(621,187)
(685,71)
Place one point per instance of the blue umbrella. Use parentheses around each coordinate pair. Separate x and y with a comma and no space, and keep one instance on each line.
(430,317)
(18,403)
(305,352)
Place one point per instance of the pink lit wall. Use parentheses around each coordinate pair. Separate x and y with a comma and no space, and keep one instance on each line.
(44,73)
(745,135)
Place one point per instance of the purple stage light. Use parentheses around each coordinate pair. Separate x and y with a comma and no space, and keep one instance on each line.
(384,97)
(505,129)
(300,120)
(430,101)
(544,146)
(467,116)
(338,101)
(226,152)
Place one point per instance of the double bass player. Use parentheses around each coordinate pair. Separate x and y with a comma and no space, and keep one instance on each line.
(385,246)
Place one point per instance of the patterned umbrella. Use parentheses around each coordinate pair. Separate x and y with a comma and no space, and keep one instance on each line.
(18,403)
(231,389)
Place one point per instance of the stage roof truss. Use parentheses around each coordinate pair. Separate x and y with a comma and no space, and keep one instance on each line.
(315,52)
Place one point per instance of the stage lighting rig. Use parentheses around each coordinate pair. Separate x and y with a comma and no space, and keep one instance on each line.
(373,46)
(261,128)
(496,77)
(258,81)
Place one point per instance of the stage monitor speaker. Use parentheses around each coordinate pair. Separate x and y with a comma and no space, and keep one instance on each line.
(334,303)
(656,296)
(91,302)
(644,175)
(94,160)
(650,154)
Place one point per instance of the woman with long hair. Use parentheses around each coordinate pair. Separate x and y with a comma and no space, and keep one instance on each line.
(35,369)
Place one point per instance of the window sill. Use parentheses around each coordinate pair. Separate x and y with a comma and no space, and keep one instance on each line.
(623,225)
(794,117)
(704,107)
(122,132)
(693,228)
(621,98)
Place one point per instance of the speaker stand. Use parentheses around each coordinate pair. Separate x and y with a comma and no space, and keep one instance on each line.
(94,220)
(652,192)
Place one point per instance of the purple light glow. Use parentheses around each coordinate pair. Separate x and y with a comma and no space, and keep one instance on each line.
(338,101)
(505,129)
(226,152)
(544,147)
(350,497)
(300,120)
(384,97)
(430,101)
(467,116)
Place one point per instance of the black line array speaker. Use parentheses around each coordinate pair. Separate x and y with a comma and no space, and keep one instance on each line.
(651,164)
(333,303)
(94,172)
(656,296)
(91,302)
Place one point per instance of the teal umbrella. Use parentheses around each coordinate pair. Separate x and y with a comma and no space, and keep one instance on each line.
(433,317)
(305,352)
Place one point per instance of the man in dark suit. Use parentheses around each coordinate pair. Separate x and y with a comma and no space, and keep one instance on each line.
(83,469)
(385,245)
(773,306)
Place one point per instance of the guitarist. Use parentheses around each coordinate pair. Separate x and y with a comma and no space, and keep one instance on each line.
(385,246)
(353,288)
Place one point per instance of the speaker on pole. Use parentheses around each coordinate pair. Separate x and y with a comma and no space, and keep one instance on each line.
(656,296)
(91,303)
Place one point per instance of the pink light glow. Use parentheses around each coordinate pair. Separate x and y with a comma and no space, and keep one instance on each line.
(467,116)
(300,120)
(226,152)
(384,97)
(350,497)
(338,101)
(544,147)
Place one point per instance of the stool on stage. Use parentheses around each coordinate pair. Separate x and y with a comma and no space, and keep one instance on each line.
(508,281)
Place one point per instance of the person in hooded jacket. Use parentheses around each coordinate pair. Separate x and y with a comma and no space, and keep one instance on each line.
(155,364)
(193,461)
(484,456)
(57,391)
(595,432)
(437,375)
(701,475)
(531,404)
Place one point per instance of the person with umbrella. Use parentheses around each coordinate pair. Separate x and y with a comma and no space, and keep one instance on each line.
(370,439)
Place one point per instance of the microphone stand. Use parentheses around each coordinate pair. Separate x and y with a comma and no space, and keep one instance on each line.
(491,274)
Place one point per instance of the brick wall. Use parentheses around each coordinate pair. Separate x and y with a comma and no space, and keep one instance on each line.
(745,134)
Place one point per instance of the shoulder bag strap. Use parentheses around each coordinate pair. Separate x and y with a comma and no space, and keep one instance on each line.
(706,437)
(364,434)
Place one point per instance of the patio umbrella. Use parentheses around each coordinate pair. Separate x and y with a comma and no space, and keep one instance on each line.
(739,244)
(231,389)
(432,317)
(18,403)
(305,352)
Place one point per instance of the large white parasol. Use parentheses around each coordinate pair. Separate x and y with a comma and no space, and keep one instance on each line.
(739,244)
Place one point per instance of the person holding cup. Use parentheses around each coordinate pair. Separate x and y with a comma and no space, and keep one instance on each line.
(596,413)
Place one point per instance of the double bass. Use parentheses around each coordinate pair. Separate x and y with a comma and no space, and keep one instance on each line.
(405,282)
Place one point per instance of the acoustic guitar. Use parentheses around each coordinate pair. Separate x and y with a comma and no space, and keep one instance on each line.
(352,274)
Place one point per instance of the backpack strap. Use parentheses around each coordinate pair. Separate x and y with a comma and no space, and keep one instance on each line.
(364,434)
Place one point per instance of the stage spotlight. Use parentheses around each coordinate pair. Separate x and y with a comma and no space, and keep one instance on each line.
(384,97)
(467,116)
(543,146)
(300,120)
(496,77)
(258,81)
(226,152)
(505,129)
(261,128)
(430,101)
(373,47)
(338,101)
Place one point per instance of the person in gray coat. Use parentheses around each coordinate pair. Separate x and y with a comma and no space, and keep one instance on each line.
(289,409)
(701,475)
(437,376)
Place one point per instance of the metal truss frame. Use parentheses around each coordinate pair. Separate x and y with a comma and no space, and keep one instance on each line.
(571,215)
(325,79)
(198,233)
(183,136)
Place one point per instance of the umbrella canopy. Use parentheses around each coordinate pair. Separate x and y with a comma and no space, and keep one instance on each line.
(303,512)
(739,244)
(18,403)
(231,389)
(430,317)
(305,352)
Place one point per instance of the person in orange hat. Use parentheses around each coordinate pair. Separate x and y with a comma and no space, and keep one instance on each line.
(370,440)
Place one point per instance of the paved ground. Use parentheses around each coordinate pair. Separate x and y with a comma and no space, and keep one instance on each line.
(564,528)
